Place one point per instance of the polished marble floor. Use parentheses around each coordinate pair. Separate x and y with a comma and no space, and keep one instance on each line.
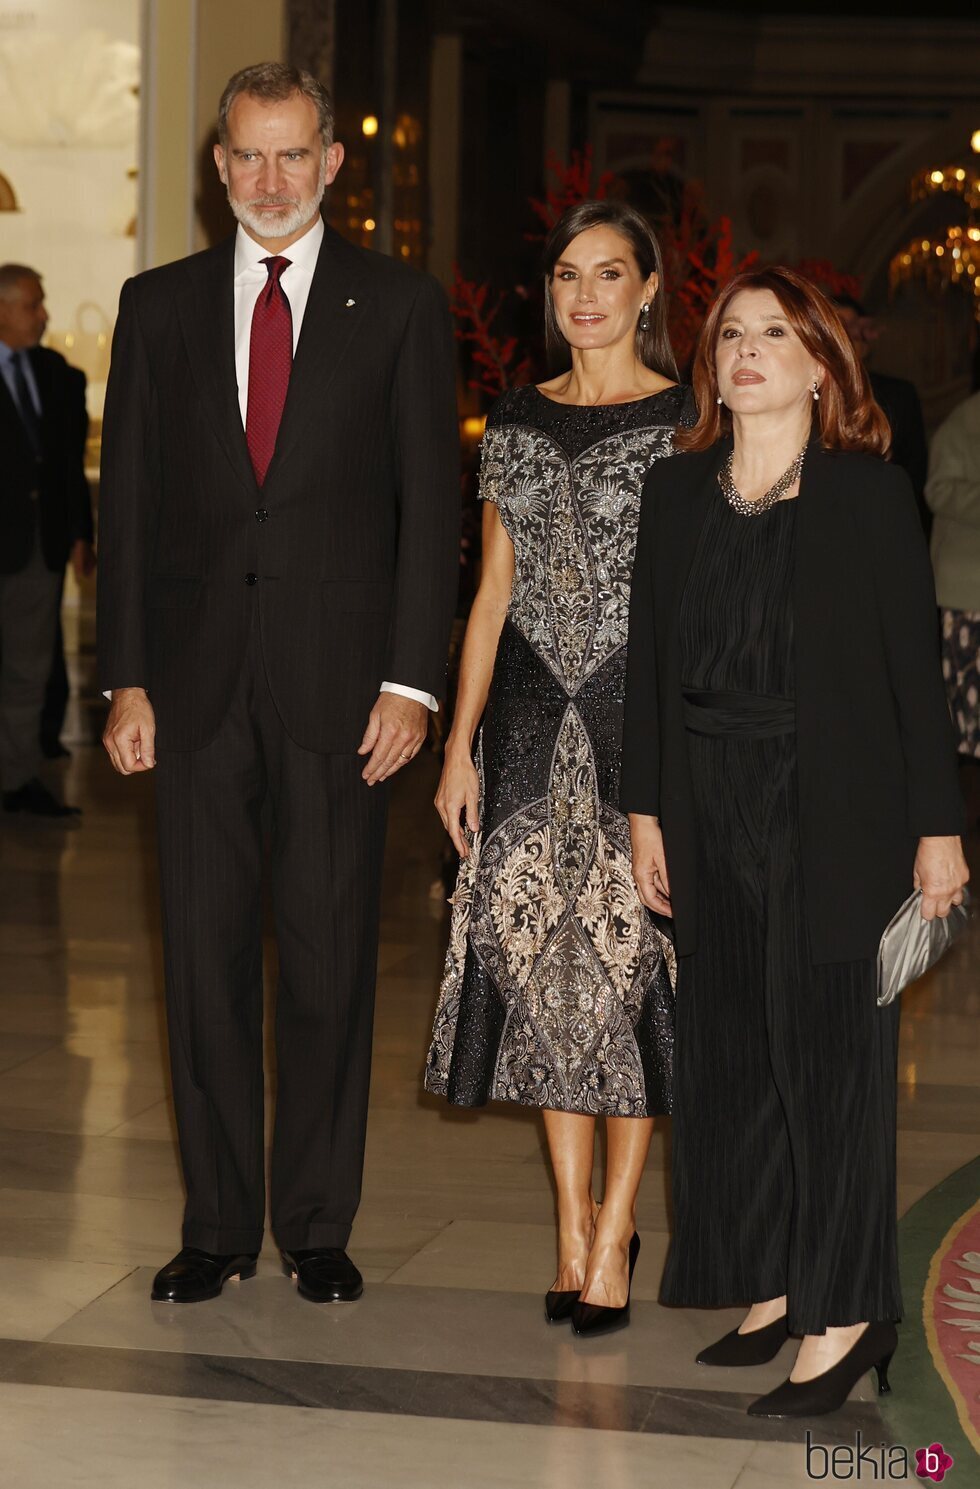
(445,1373)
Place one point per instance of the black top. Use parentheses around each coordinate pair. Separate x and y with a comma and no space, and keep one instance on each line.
(736,620)
(575,427)
(875,746)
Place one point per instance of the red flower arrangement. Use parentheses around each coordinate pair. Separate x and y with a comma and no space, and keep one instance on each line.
(699,260)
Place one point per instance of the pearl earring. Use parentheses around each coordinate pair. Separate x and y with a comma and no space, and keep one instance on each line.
(719,399)
(816,393)
(644,317)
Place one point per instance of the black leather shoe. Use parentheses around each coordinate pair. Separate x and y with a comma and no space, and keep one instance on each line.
(827,1392)
(195,1275)
(34,797)
(558,1306)
(593,1318)
(324,1274)
(756,1348)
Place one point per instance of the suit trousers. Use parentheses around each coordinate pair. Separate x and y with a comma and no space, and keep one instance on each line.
(785,1073)
(29,602)
(323,852)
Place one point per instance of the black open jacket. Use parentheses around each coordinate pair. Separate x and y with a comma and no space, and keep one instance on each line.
(875,746)
(62,512)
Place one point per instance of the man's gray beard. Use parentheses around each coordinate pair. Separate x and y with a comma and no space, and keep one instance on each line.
(294,216)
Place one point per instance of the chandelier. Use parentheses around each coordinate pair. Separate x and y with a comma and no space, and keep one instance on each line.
(952,257)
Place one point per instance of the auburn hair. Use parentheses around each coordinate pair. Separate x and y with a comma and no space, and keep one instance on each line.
(846,416)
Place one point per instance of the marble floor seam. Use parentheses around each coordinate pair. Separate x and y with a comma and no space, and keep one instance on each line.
(585,1405)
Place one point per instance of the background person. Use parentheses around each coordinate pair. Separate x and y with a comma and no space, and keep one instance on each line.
(953,494)
(786,724)
(45,520)
(557,990)
(898,400)
(279,542)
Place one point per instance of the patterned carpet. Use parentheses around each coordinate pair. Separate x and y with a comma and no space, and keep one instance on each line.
(937,1368)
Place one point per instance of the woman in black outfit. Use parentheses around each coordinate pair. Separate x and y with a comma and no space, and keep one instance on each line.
(785,721)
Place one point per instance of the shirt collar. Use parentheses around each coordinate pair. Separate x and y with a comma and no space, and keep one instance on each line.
(7,353)
(302,254)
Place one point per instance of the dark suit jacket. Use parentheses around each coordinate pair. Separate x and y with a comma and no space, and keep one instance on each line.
(875,747)
(900,403)
(353,540)
(63,508)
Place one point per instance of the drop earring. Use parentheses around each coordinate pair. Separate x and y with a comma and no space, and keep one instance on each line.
(644,317)
(719,399)
(816,393)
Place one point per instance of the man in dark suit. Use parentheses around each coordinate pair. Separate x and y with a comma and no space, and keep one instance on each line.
(45,518)
(278,542)
(898,400)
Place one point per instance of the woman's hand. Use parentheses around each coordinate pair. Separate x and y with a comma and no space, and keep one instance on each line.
(649,863)
(941,873)
(459,788)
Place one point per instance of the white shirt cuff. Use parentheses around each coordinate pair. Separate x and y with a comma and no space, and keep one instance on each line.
(426,698)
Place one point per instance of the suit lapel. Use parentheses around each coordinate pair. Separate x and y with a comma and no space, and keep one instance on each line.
(696,487)
(10,418)
(696,484)
(817,538)
(10,415)
(207,319)
(42,370)
(334,310)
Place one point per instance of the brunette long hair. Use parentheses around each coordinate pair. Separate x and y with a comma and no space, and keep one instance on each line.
(652,344)
(847,416)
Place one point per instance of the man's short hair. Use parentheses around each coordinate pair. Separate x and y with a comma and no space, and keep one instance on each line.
(11,276)
(274,82)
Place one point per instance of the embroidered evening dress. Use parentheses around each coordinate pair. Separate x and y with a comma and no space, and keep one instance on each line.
(558,985)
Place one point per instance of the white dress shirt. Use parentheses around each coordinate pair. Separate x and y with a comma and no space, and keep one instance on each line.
(251,276)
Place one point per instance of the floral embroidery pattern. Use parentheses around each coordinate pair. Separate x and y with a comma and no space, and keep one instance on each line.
(559,977)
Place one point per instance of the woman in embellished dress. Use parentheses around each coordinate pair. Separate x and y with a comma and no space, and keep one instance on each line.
(558,989)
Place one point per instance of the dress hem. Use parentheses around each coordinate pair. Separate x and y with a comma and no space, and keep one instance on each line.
(576,1111)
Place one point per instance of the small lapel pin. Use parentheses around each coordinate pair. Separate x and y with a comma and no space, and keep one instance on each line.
(350,303)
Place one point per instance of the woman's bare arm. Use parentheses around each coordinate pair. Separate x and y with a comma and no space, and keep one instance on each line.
(459,785)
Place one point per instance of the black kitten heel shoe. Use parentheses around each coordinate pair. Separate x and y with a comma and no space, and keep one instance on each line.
(593,1318)
(828,1392)
(756,1348)
(558,1306)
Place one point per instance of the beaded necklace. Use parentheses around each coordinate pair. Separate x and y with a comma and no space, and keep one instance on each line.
(745,508)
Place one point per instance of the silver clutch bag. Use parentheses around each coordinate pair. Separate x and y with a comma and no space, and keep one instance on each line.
(911,945)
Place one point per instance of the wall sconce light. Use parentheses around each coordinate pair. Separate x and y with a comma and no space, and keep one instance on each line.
(8,197)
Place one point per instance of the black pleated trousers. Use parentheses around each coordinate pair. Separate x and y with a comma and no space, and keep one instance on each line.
(785,1074)
(324,850)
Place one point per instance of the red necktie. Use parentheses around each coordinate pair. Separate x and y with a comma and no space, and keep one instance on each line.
(270,361)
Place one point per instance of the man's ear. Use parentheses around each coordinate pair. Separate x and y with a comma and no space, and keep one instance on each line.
(334,160)
(219,160)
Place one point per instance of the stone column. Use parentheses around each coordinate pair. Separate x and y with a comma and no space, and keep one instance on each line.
(445,129)
(557,118)
(312,37)
(190,49)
